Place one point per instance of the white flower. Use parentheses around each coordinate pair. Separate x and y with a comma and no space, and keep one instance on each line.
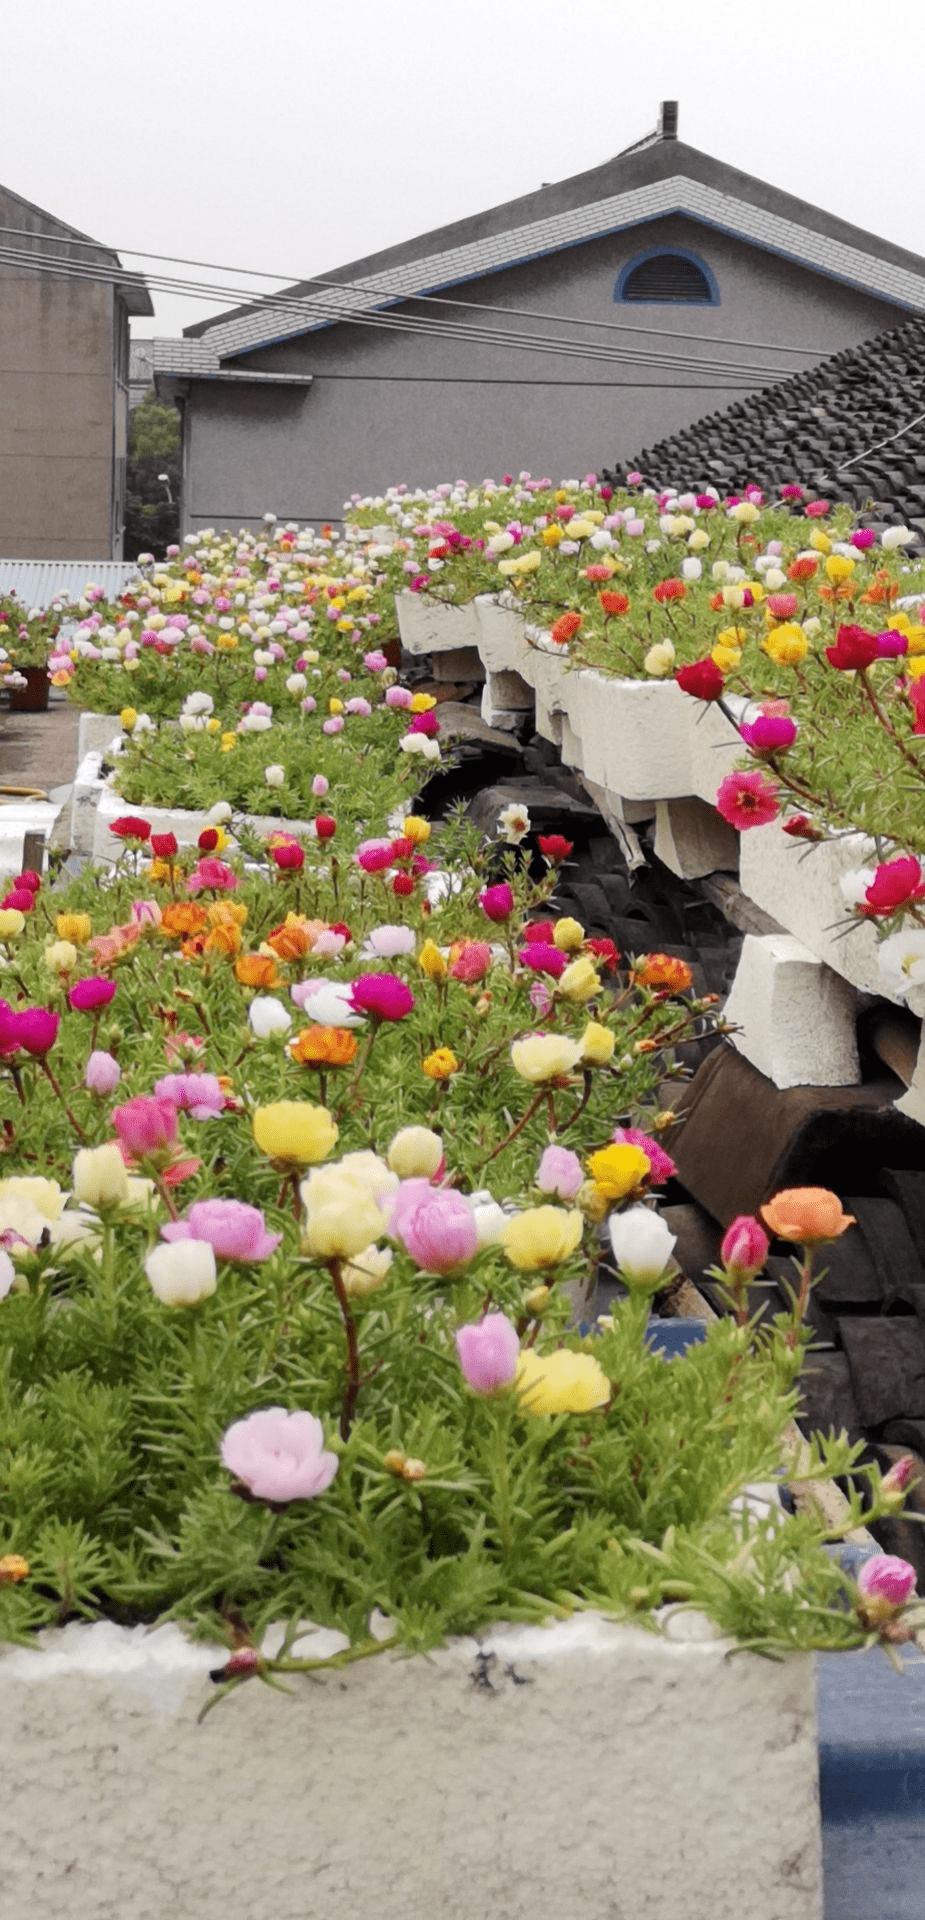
(275,775)
(901,959)
(198,703)
(660,659)
(7,1274)
(99,1176)
(182,1272)
(642,1245)
(514,823)
(896,537)
(327,1002)
(853,886)
(220,814)
(267,1015)
(296,685)
(691,569)
(255,723)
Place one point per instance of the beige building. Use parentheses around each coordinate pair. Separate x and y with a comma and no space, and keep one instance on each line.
(64,374)
(557,333)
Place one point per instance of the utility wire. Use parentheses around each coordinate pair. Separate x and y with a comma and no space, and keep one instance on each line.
(843,468)
(439,300)
(452,330)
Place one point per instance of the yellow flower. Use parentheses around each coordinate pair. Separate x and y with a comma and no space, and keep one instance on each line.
(838,567)
(568,935)
(820,541)
(660,659)
(618,1170)
(523,563)
(544,1056)
(295,1132)
(60,957)
(13,1568)
(561,1382)
(335,706)
(213,725)
(916,639)
(580,981)
(745,511)
(541,1237)
(597,1044)
(227,642)
(175,593)
(12,923)
(537,1300)
(915,667)
(416,829)
(422,702)
(366,1272)
(228,740)
(726,658)
(551,535)
(127,718)
(581,528)
(786,645)
(33,1190)
(415,1153)
(441,1064)
(732,637)
(74,926)
(431,961)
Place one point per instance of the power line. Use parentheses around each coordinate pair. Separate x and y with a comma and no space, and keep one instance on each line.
(495,337)
(429,299)
(888,442)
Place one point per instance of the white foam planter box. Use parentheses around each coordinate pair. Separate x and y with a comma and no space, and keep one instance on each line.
(96,732)
(580,1772)
(429,626)
(185,824)
(17,818)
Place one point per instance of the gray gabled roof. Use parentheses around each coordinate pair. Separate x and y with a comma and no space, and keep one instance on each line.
(647,182)
(192,360)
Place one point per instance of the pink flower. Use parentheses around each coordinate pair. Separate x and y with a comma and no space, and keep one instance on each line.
(374,856)
(543,959)
(540,998)
(32,1029)
(891,644)
(102,1073)
(320,786)
(497,902)
(212,875)
(470,961)
(769,733)
(488,1351)
(885,1585)
(436,1225)
(375,662)
(895,884)
(425,723)
(146,913)
(816,509)
(334,725)
(280,1456)
(747,800)
(560,1172)
(745,1245)
(383,943)
(199,1094)
(383,995)
(782,605)
(358,706)
(398,697)
(147,1127)
(87,996)
(661,1165)
(234,1230)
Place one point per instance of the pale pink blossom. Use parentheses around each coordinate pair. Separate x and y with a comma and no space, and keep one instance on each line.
(279,1456)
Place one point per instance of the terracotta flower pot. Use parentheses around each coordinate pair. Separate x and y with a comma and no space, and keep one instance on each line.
(33,697)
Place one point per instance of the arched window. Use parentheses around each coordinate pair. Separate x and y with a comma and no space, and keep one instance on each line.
(665,276)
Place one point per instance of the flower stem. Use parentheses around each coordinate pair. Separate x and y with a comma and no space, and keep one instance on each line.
(352,1388)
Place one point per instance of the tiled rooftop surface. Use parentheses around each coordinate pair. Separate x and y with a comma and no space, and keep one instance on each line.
(852,428)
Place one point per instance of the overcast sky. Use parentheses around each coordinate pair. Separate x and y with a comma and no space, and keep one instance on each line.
(291,139)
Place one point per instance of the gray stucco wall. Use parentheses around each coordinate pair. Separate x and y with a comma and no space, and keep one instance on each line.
(56,403)
(384,408)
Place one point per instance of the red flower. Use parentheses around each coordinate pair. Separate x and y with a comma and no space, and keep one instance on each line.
(803,568)
(209,840)
(747,800)
(163,845)
(30,880)
(800,827)
(325,826)
(605,950)
(614,603)
(916,694)
(791,493)
(541,932)
(288,856)
(403,884)
(19,897)
(565,628)
(894,885)
(130,827)
(853,650)
(554,847)
(669,590)
(702,679)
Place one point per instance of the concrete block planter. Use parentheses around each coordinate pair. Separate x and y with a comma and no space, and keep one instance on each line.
(795,1017)
(186,824)
(430,626)
(533,1772)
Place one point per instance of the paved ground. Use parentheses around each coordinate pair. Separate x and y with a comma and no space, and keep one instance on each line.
(39,749)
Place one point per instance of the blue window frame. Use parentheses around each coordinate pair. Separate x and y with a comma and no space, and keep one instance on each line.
(667,276)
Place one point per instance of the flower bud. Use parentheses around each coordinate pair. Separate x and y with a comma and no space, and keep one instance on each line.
(885,1584)
(745,1247)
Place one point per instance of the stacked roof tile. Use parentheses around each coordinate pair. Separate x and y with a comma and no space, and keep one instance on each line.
(851,428)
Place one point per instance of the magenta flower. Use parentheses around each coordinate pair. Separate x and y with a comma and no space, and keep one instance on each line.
(488,1351)
(199,1094)
(436,1225)
(745,1246)
(891,644)
(147,1127)
(747,800)
(497,902)
(234,1230)
(30,1029)
(769,733)
(895,884)
(279,1456)
(543,959)
(102,1074)
(885,1585)
(661,1165)
(87,996)
(374,856)
(560,1172)
(383,995)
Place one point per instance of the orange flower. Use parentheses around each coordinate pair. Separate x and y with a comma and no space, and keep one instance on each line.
(882,588)
(227,913)
(257,970)
(295,937)
(614,603)
(182,917)
(324,1047)
(802,569)
(663,970)
(13,1568)
(224,938)
(565,628)
(806,1214)
(441,1064)
(194,947)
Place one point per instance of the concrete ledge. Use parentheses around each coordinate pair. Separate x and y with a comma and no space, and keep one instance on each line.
(796,1018)
(430,626)
(533,1774)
